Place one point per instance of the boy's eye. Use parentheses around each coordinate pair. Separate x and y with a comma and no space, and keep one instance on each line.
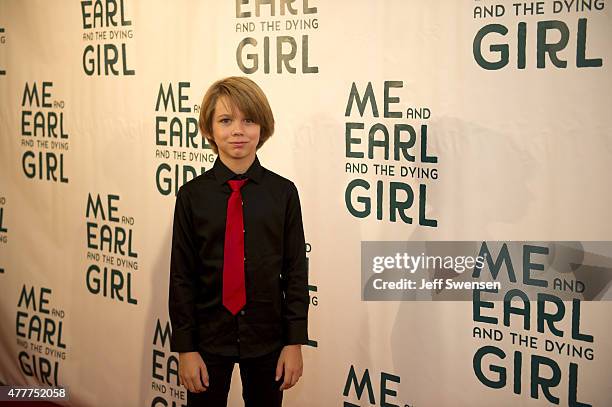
(225,120)
(249,120)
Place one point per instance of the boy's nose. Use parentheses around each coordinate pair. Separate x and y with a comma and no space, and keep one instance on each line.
(238,127)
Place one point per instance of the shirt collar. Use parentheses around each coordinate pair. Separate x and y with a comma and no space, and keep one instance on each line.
(224,174)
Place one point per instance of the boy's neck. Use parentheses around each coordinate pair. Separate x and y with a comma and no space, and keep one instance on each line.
(238,166)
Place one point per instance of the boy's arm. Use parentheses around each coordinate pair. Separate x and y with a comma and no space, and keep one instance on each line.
(295,277)
(181,298)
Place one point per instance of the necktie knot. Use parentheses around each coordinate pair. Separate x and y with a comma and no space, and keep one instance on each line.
(236,184)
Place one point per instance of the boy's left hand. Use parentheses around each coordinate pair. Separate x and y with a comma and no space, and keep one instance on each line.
(290,363)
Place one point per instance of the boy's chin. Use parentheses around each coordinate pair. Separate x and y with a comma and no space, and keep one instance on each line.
(238,155)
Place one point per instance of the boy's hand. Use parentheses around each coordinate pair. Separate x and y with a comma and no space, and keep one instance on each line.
(290,363)
(192,372)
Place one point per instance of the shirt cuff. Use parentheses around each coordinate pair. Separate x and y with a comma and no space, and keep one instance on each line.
(183,342)
(296,333)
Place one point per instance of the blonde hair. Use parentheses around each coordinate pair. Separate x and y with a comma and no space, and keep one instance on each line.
(243,94)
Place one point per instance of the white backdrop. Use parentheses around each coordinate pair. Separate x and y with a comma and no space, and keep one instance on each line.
(522,153)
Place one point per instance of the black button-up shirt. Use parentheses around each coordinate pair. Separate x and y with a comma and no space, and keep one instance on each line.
(277,298)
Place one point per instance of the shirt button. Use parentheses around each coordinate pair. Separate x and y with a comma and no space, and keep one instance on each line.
(242,312)
(238,340)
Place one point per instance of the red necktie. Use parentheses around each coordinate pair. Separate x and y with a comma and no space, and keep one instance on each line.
(234,292)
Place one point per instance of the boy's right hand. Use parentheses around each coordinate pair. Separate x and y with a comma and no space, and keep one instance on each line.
(192,372)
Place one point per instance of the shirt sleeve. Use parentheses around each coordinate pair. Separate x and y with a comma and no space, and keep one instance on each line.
(182,294)
(295,274)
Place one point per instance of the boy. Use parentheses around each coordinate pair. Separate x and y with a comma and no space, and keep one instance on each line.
(238,283)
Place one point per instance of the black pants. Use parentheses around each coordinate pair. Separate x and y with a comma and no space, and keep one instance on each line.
(259,389)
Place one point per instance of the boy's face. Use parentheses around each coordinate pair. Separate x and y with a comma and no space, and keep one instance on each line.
(236,136)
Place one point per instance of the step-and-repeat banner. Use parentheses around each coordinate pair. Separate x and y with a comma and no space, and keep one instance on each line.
(404,121)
